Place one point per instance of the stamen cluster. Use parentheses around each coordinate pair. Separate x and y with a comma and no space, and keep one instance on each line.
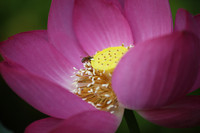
(95,87)
(93,83)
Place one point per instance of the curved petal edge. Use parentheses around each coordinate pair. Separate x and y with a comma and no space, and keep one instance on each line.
(44,95)
(182,114)
(157,72)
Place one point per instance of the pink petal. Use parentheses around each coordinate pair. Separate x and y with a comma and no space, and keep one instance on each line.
(185,21)
(121,2)
(157,71)
(60,31)
(32,51)
(197,82)
(41,33)
(43,125)
(99,24)
(85,122)
(148,18)
(197,18)
(118,3)
(46,96)
(182,114)
(89,122)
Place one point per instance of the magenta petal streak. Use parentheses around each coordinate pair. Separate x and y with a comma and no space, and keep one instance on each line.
(141,81)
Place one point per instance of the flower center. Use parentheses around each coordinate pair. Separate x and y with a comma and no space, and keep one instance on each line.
(93,83)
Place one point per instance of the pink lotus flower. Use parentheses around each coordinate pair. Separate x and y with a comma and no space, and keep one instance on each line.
(152,78)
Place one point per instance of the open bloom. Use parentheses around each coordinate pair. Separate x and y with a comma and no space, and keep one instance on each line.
(153,77)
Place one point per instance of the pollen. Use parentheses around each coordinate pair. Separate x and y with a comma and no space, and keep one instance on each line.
(93,82)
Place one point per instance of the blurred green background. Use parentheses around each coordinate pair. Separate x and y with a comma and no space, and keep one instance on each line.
(24,15)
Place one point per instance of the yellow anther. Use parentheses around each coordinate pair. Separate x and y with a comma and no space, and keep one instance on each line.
(107,59)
